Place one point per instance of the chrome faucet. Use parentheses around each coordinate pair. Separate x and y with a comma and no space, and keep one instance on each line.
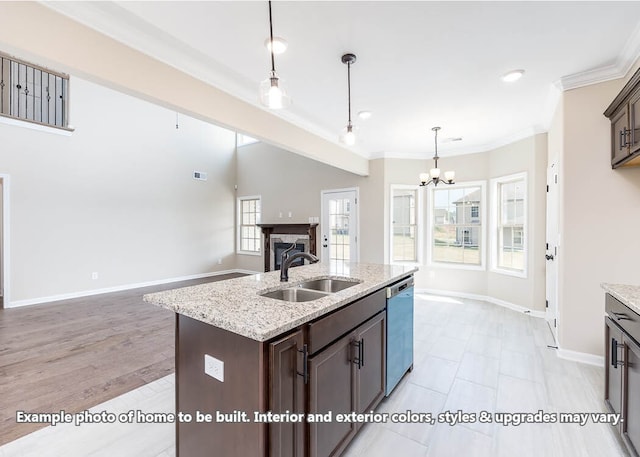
(286,261)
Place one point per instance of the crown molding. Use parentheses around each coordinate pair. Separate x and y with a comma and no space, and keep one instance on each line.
(624,62)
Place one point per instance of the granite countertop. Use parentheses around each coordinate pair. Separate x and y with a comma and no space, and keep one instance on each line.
(235,304)
(629,295)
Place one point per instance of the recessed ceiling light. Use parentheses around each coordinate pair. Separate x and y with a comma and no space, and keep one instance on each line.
(364,115)
(512,76)
(279,44)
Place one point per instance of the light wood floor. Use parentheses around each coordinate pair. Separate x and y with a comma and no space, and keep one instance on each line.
(74,354)
(469,356)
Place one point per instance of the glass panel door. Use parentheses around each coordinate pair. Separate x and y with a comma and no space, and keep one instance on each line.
(339,226)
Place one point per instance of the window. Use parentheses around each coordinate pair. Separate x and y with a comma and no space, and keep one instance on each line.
(456,230)
(32,93)
(405,245)
(509,215)
(250,235)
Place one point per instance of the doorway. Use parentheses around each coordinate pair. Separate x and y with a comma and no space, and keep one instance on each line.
(552,250)
(4,241)
(339,225)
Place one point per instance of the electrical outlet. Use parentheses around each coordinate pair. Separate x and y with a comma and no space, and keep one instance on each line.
(219,261)
(214,367)
(290,214)
(94,275)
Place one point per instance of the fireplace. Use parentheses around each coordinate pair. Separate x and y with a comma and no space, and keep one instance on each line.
(279,237)
(279,245)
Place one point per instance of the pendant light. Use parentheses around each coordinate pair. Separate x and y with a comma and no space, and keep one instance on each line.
(273,95)
(434,174)
(348,137)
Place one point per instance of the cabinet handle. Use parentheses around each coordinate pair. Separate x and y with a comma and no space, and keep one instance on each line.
(621,316)
(614,354)
(623,138)
(305,369)
(359,359)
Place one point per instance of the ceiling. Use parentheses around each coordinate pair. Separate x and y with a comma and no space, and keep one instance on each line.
(419,64)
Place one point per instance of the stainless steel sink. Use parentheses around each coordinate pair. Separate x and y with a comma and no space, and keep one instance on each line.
(295,294)
(328,285)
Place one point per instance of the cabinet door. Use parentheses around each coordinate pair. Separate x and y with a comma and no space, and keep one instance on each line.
(631,395)
(370,372)
(613,372)
(286,393)
(620,136)
(332,390)
(634,122)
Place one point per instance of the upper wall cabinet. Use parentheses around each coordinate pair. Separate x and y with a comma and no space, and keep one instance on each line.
(624,114)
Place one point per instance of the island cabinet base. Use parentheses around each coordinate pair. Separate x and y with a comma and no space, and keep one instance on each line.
(242,391)
(333,364)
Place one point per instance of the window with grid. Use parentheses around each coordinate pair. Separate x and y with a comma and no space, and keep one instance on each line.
(250,238)
(509,223)
(456,230)
(404,224)
(32,93)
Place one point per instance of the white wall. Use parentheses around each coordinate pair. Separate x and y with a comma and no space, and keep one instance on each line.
(81,51)
(528,155)
(116,197)
(599,216)
(288,182)
(2,251)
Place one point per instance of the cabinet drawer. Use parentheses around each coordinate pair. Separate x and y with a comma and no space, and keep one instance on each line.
(333,326)
(622,315)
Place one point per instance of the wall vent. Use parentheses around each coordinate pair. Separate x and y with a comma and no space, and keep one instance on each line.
(200,175)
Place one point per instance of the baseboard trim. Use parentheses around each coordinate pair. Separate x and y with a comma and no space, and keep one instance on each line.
(88,293)
(487,298)
(581,357)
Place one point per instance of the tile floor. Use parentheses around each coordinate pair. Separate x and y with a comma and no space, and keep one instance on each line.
(469,356)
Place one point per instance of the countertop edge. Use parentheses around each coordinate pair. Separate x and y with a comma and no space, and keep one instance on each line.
(629,295)
(218,320)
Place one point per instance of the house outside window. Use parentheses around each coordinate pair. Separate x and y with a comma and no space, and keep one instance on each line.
(456,226)
(405,243)
(249,234)
(509,224)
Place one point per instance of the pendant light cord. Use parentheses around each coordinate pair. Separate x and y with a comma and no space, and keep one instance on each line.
(436,142)
(273,62)
(349,88)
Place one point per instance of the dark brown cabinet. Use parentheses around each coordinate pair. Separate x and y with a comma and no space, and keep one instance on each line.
(333,364)
(332,390)
(622,374)
(370,377)
(286,394)
(346,377)
(613,377)
(631,395)
(624,114)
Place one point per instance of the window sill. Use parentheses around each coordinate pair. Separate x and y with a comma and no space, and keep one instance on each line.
(253,253)
(515,273)
(456,266)
(408,263)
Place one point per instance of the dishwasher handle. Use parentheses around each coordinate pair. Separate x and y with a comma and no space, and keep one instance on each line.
(398,287)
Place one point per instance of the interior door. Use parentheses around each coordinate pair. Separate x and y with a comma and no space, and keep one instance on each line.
(552,249)
(339,225)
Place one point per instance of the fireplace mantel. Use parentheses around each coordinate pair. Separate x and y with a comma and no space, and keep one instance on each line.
(287,229)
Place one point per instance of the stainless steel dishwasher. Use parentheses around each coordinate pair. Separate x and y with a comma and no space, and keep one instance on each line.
(399,332)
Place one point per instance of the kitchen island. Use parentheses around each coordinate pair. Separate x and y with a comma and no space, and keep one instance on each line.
(252,370)
(622,360)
